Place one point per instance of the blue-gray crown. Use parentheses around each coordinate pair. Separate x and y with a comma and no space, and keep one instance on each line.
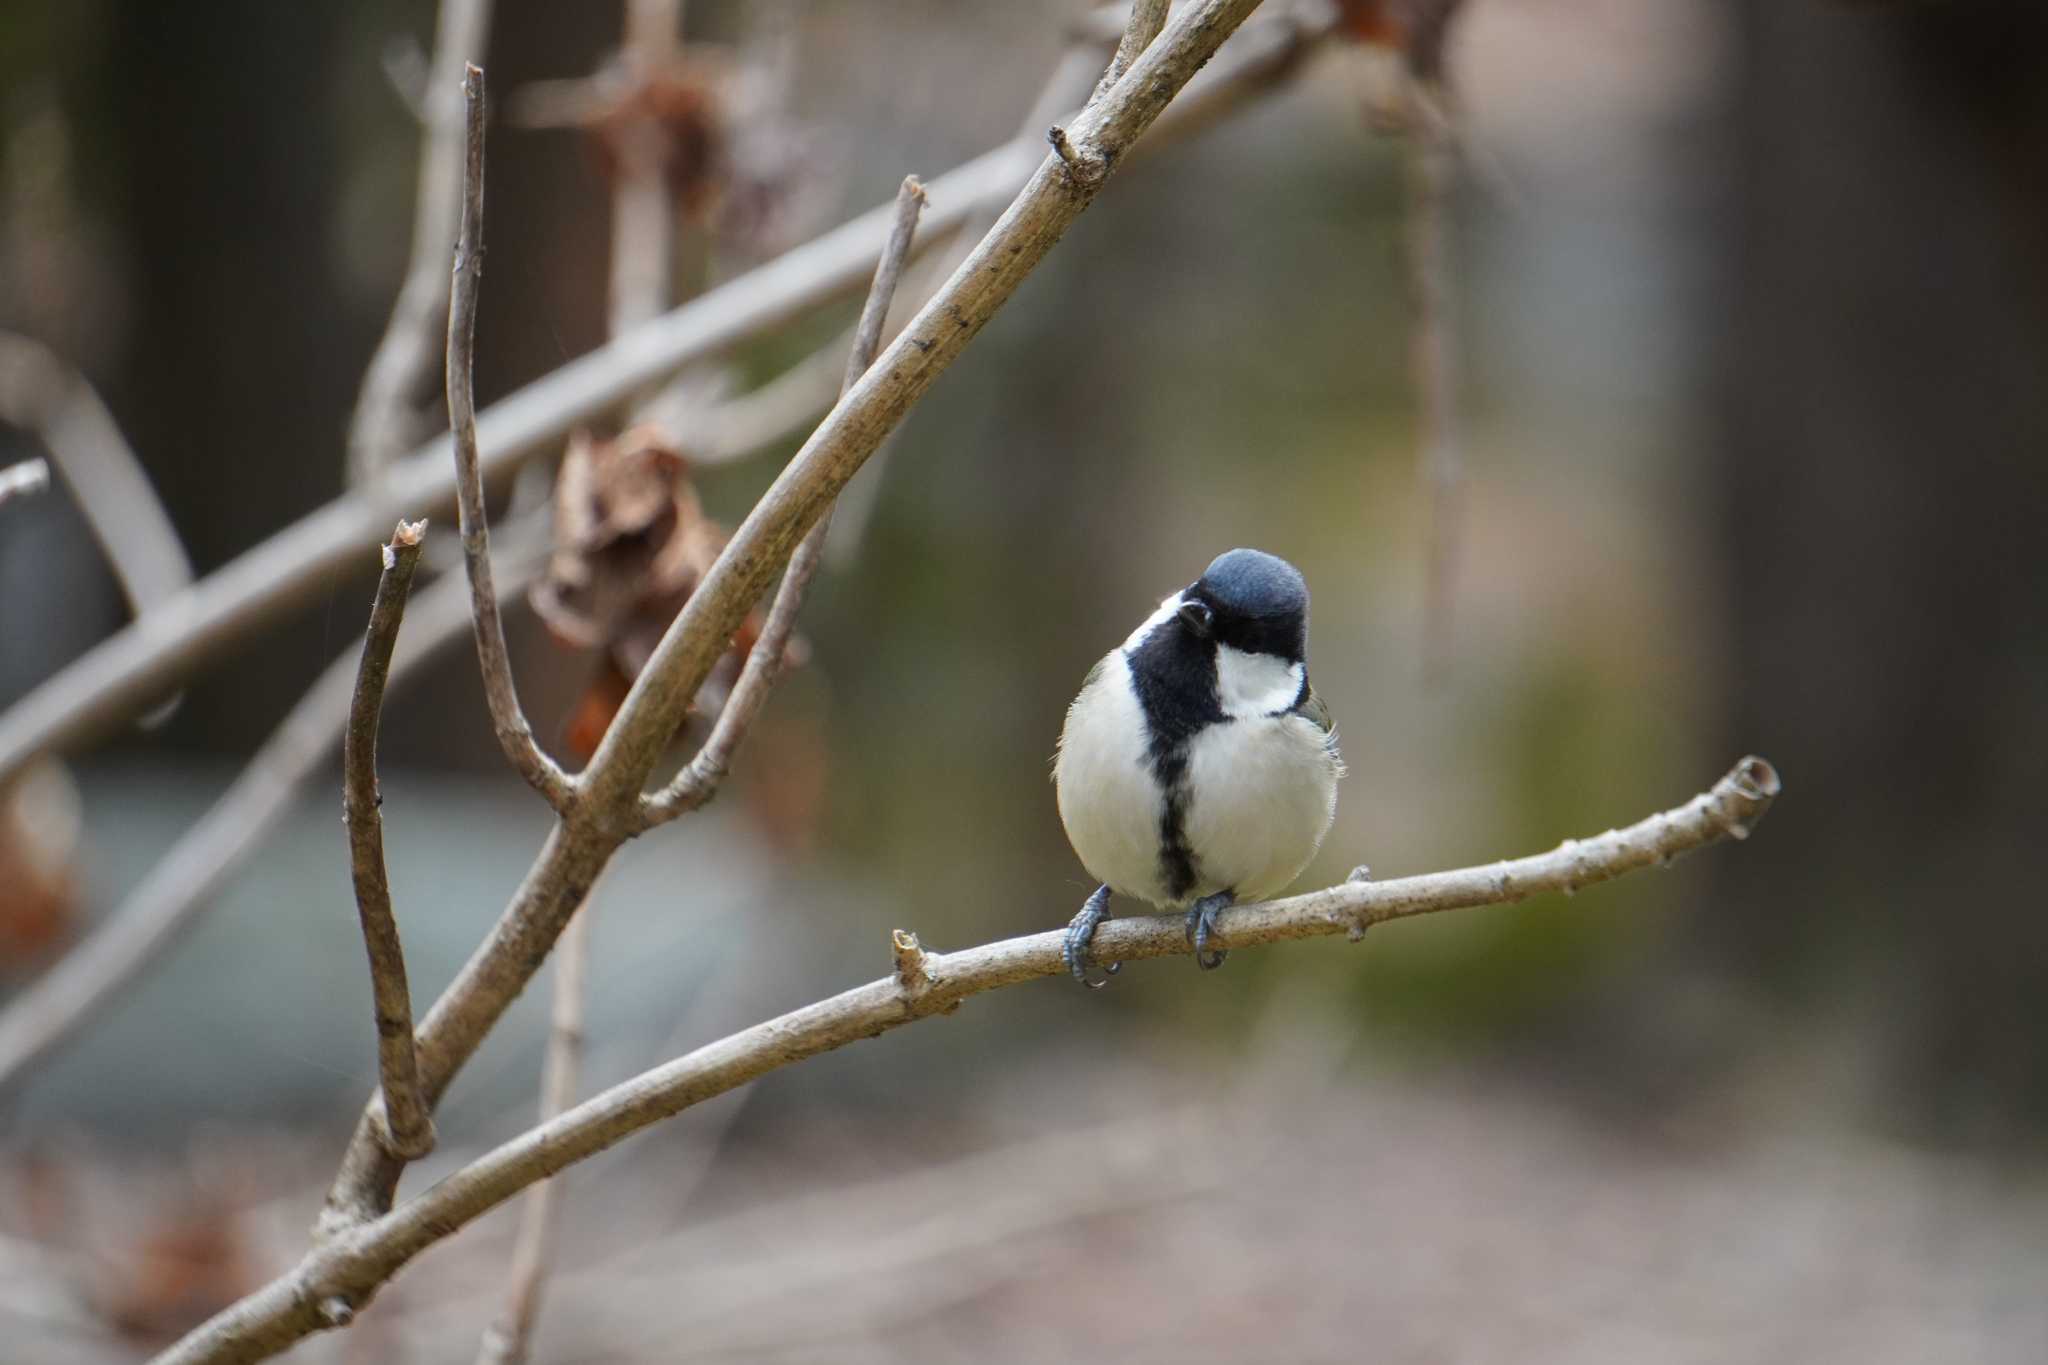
(1259,601)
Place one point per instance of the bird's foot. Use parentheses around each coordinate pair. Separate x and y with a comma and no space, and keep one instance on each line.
(1080,930)
(1202,923)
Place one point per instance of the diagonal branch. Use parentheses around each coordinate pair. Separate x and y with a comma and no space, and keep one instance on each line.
(607,809)
(385,422)
(349,1269)
(1062,187)
(701,776)
(515,736)
(123,674)
(408,1127)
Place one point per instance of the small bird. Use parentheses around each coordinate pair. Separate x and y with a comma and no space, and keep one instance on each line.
(1197,765)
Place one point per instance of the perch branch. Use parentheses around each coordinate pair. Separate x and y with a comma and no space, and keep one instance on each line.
(386,419)
(608,801)
(349,1268)
(188,879)
(125,673)
(515,736)
(701,776)
(408,1127)
(505,1342)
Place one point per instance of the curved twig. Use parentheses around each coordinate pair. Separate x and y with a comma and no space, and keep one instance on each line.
(408,1126)
(515,736)
(345,1272)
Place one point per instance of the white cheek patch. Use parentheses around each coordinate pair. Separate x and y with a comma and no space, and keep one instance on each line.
(1255,684)
(1164,613)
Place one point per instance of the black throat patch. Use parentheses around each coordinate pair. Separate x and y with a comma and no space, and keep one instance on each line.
(1175,677)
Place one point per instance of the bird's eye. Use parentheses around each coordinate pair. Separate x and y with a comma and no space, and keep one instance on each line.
(1198,617)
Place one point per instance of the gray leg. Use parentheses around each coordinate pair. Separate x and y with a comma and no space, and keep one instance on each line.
(1079,931)
(1202,922)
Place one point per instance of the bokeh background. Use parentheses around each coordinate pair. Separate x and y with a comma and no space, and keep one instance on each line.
(1752,319)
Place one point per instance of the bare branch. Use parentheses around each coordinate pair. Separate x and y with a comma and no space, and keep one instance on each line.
(515,736)
(350,1268)
(129,670)
(643,209)
(408,1127)
(1052,200)
(25,478)
(1147,18)
(1433,356)
(387,416)
(577,848)
(701,776)
(42,393)
(188,879)
(507,1339)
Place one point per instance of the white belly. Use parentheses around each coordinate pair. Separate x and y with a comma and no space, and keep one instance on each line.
(1262,794)
(1108,801)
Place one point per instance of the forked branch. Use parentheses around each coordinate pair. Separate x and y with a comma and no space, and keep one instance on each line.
(348,1269)
(701,776)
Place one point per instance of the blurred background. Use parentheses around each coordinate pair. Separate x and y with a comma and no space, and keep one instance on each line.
(1749,322)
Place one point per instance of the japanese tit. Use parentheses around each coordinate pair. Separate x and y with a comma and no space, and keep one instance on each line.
(1197,765)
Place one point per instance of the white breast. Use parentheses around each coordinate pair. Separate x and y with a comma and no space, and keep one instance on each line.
(1108,799)
(1262,794)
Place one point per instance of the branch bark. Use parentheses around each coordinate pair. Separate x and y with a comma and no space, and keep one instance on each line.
(385,423)
(127,672)
(1041,214)
(350,1268)
(187,879)
(607,809)
(700,778)
(515,736)
(408,1128)
(507,1339)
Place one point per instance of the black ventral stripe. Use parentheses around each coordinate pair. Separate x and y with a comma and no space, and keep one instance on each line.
(1174,674)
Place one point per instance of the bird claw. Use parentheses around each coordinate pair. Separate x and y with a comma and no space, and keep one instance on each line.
(1201,923)
(1080,930)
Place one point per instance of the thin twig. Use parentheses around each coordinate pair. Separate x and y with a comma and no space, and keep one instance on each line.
(608,806)
(125,673)
(350,1268)
(641,286)
(20,480)
(643,207)
(507,1339)
(1433,357)
(408,1126)
(387,416)
(43,393)
(701,776)
(1053,199)
(1147,18)
(188,879)
(515,736)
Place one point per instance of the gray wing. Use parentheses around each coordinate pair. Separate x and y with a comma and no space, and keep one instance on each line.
(1310,707)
